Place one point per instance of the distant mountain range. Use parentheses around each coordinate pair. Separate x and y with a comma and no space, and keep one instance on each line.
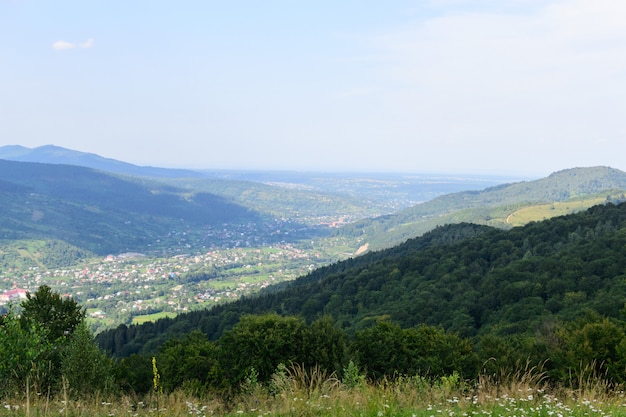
(381,191)
(58,194)
(51,154)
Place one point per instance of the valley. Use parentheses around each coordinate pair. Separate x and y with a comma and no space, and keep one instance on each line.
(130,287)
(195,239)
(185,271)
(125,267)
(315,268)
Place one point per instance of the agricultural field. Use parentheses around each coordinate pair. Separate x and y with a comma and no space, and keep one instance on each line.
(545,211)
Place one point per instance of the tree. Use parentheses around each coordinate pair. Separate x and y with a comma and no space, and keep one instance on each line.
(592,344)
(380,350)
(59,316)
(387,350)
(259,343)
(326,346)
(22,353)
(134,374)
(85,367)
(190,362)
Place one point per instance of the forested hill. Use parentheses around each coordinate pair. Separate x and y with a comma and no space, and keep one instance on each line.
(477,281)
(100,212)
(491,206)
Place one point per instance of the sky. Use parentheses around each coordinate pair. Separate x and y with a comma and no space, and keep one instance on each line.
(523,87)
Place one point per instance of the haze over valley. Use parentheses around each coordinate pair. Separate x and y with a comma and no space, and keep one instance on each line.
(144,242)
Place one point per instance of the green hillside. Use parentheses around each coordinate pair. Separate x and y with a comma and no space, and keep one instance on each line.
(501,206)
(312,207)
(39,254)
(100,212)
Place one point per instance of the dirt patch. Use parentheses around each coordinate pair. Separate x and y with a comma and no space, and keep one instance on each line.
(362,249)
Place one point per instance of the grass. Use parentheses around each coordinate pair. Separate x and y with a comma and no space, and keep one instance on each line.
(545,211)
(297,391)
(152,317)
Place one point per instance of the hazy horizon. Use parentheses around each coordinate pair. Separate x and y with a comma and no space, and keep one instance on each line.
(441,86)
(449,175)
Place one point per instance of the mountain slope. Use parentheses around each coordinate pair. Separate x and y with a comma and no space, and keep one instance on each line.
(51,154)
(470,279)
(303,205)
(100,212)
(491,206)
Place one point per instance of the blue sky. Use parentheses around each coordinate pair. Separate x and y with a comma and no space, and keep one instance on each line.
(443,86)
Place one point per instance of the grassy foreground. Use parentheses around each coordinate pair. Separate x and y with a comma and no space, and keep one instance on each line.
(298,393)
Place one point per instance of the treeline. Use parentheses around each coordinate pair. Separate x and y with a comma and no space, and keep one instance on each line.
(49,349)
(258,347)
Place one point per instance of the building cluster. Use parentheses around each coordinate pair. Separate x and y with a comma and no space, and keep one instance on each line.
(120,287)
(14,295)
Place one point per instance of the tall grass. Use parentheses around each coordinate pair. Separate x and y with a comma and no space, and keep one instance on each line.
(298,391)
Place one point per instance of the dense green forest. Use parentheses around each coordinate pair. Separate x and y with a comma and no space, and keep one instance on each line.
(462,298)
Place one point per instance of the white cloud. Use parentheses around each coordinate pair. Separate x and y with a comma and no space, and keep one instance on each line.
(62,45)
(89,43)
(559,70)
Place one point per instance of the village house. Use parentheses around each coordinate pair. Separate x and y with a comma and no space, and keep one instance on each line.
(12,295)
